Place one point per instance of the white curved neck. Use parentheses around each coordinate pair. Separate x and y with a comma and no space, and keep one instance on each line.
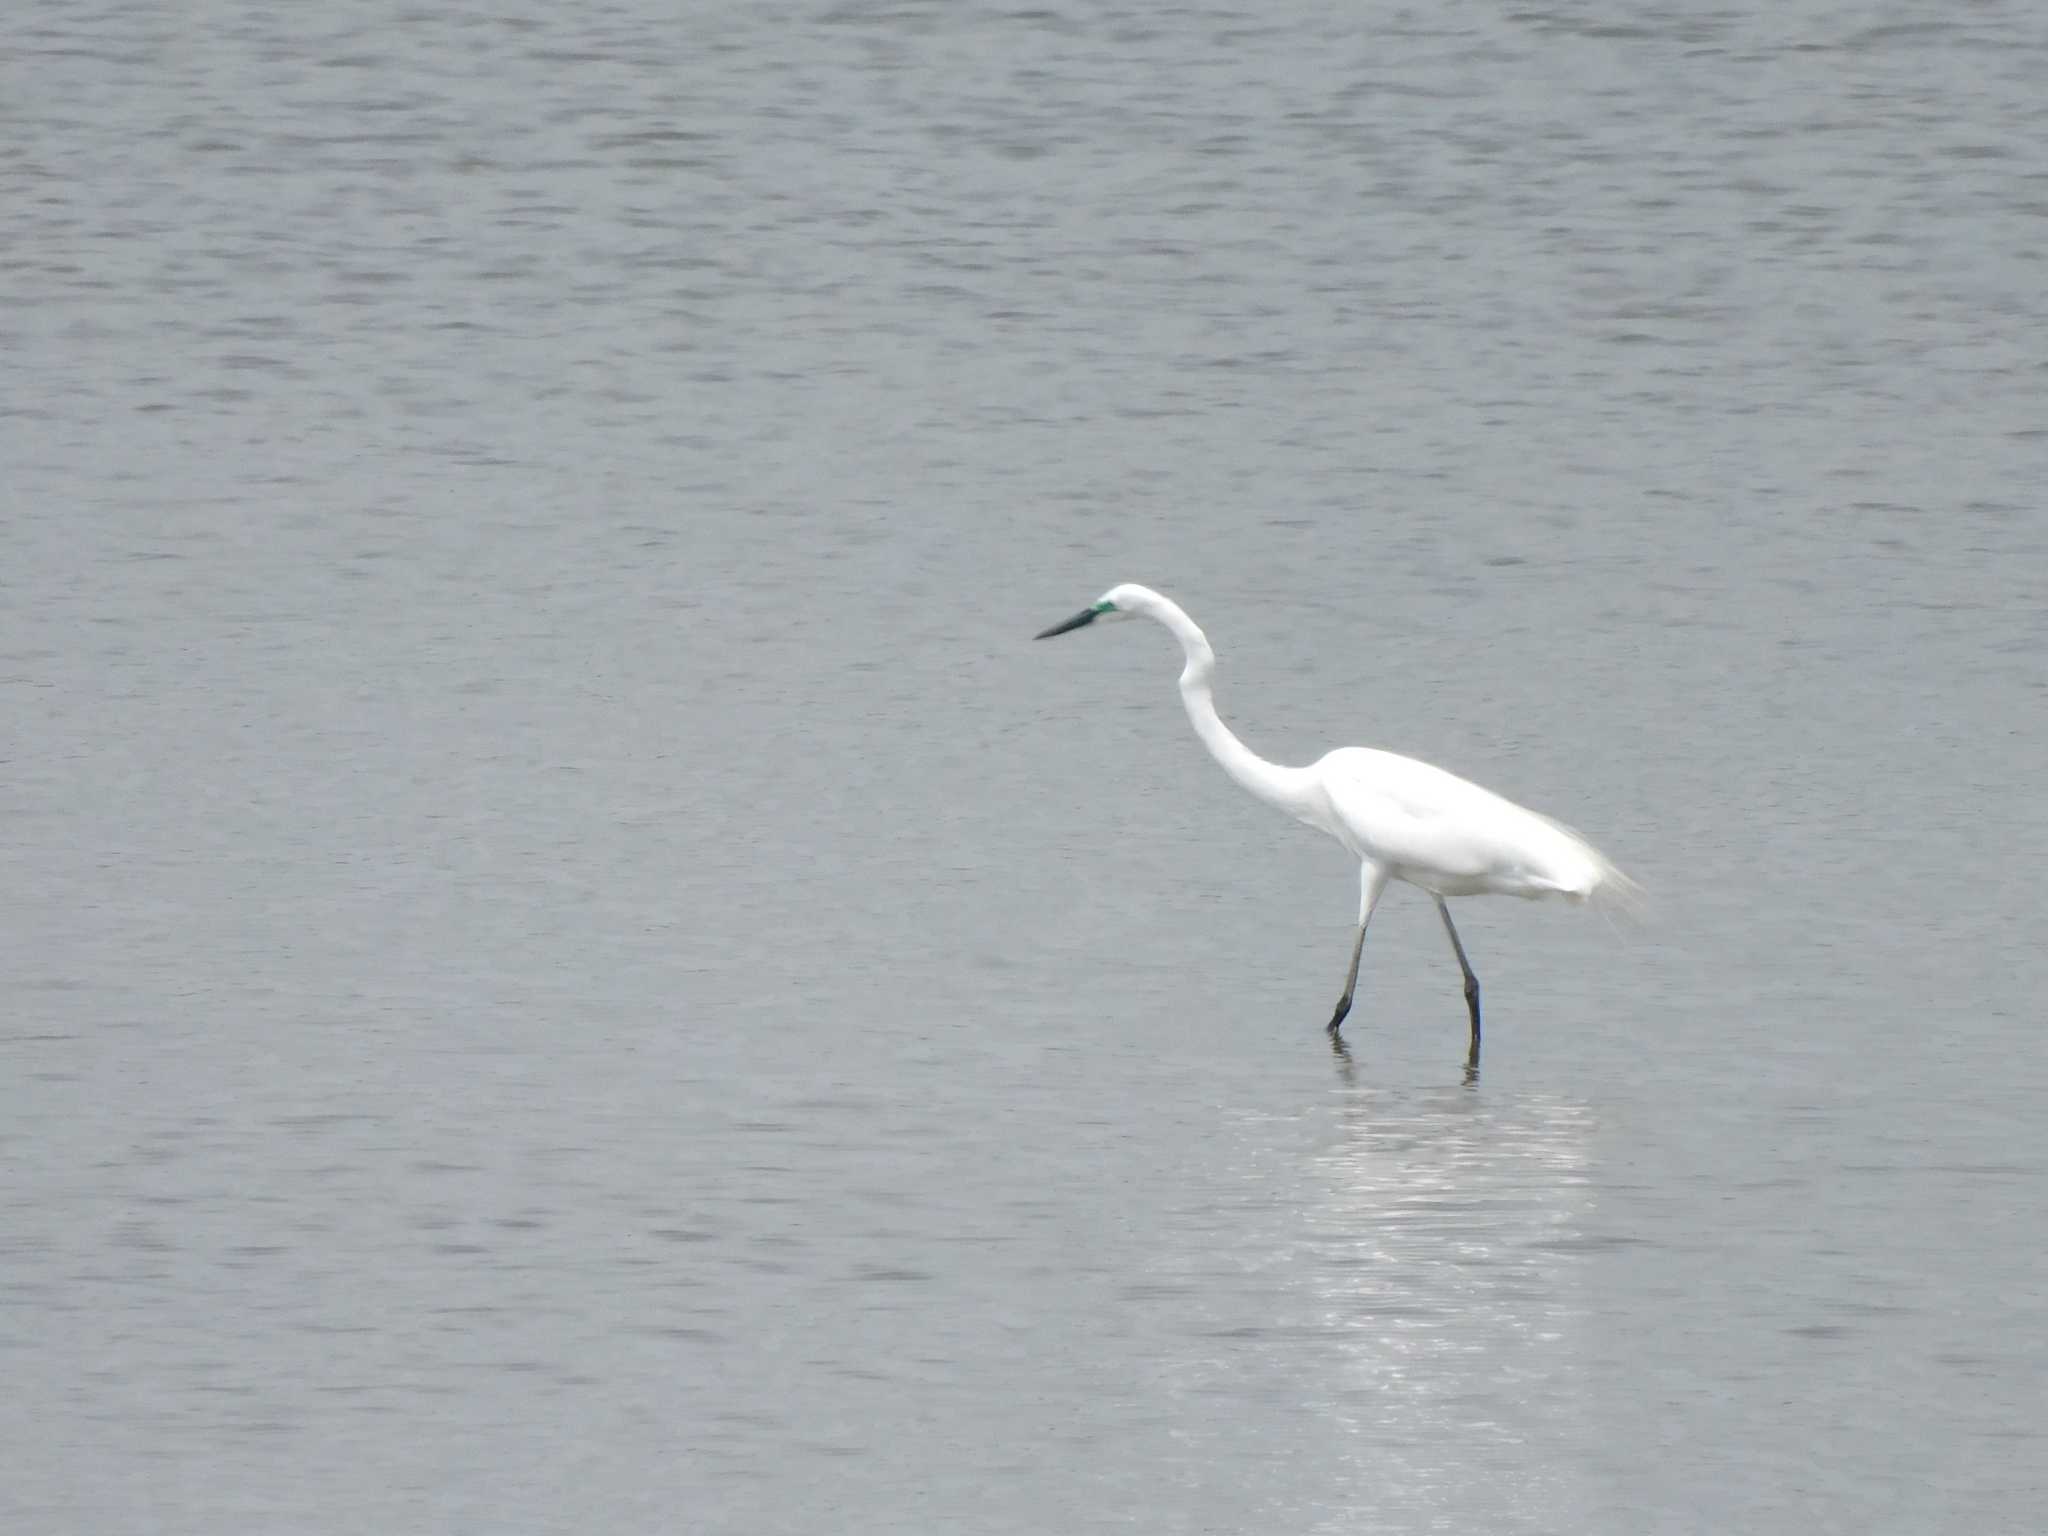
(1271,782)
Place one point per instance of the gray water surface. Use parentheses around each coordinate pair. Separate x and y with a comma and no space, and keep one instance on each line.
(569,967)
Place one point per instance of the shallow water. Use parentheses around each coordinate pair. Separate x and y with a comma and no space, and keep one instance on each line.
(571,968)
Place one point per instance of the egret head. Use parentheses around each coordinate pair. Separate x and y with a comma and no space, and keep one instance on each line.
(1122,602)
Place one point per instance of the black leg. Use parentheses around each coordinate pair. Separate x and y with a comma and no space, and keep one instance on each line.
(1350,984)
(1372,880)
(1471,981)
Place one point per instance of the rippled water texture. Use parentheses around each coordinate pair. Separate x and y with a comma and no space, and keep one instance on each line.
(569,967)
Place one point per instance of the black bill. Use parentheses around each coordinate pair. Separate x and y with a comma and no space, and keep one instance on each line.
(1085,616)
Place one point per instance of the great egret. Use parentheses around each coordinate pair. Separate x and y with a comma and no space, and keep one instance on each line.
(1401,819)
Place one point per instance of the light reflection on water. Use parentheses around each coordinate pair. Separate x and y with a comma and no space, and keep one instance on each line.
(1444,1249)
(1410,1292)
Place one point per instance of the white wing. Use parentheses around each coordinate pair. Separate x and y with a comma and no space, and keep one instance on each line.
(1447,835)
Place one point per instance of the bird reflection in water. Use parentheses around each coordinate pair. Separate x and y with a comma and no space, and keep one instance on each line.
(1446,1244)
(1347,1069)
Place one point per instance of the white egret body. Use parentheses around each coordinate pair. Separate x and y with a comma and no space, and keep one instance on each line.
(1400,818)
